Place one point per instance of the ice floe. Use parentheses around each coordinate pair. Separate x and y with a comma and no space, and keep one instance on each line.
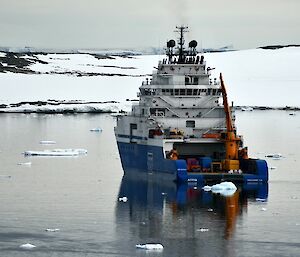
(123,199)
(275,156)
(47,142)
(224,188)
(247,108)
(150,246)
(206,188)
(27,246)
(5,176)
(52,229)
(24,163)
(57,152)
(96,130)
(260,199)
(203,229)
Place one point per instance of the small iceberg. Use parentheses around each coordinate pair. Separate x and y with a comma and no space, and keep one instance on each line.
(24,163)
(245,109)
(57,152)
(123,199)
(52,229)
(5,176)
(47,142)
(275,156)
(224,188)
(203,229)
(27,246)
(260,199)
(96,130)
(150,246)
(206,188)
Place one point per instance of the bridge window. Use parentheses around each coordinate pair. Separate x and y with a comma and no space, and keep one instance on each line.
(187,80)
(191,80)
(196,80)
(190,123)
(182,91)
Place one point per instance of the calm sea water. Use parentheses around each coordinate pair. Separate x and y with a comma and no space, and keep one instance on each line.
(79,195)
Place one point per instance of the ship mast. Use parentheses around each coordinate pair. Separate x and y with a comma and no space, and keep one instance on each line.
(181,55)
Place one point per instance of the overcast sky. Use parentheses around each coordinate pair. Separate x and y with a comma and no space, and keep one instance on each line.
(143,23)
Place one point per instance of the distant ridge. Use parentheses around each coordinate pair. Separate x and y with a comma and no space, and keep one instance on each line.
(274,47)
(104,51)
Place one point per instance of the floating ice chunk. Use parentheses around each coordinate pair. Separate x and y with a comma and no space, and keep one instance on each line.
(52,229)
(274,156)
(96,130)
(206,188)
(80,150)
(47,142)
(25,163)
(263,209)
(247,109)
(150,246)
(27,246)
(224,188)
(5,176)
(260,199)
(123,199)
(56,152)
(203,229)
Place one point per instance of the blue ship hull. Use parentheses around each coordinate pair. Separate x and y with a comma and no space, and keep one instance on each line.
(137,158)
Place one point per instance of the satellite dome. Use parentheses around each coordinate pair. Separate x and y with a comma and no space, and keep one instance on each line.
(193,43)
(171,43)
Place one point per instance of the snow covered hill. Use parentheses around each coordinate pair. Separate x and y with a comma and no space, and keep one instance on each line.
(90,82)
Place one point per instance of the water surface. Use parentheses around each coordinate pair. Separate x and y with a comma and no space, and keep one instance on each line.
(79,195)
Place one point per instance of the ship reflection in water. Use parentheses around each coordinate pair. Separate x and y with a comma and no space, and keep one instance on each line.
(163,212)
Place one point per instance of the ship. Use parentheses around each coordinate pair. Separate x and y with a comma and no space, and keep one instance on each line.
(182,127)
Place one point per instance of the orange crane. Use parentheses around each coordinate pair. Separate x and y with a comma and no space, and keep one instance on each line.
(231,140)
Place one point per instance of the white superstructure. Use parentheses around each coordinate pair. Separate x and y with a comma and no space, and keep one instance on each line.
(179,103)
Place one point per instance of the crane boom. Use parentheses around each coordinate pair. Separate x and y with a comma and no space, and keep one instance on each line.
(231,140)
(229,124)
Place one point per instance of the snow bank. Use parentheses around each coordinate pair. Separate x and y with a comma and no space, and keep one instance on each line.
(254,77)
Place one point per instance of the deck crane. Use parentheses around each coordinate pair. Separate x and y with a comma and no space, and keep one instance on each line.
(231,140)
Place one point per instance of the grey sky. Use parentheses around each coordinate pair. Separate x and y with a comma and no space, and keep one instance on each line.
(142,23)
